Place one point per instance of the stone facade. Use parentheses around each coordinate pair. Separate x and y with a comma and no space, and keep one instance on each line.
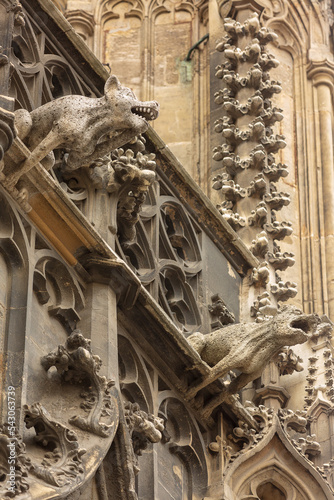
(145,350)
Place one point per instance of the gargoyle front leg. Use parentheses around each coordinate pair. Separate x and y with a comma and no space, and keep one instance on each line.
(126,136)
(234,387)
(48,144)
(219,370)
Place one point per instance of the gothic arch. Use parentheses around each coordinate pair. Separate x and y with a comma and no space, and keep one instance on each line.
(184,441)
(275,459)
(13,303)
(66,299)
(135,382)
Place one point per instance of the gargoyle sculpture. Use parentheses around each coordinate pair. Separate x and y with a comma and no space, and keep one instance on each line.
(87,128)
(248,347)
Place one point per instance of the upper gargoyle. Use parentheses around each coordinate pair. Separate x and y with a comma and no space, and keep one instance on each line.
(87,128)
(248,347)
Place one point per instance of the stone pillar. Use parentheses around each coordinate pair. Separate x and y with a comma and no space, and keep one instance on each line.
(11,19)
(322,75)
(99,319)
(217,12)
(272,394)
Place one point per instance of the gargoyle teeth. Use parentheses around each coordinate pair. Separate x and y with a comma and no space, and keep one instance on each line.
(145,112)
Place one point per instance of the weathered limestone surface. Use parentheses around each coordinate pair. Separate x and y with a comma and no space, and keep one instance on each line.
(248,348)
(102,125)
(107,270)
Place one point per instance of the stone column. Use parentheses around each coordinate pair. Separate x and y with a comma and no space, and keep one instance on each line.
(217,12)
(11,19)
(322,75)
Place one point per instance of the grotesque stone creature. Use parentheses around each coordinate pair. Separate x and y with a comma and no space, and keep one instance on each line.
(87,128)
(248,347)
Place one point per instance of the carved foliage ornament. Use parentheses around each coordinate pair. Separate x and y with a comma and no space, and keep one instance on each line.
(14,464)
(130,176)
(62,465)
(143,427)
(248,145)
(288,362)
(76,364)
(292,424)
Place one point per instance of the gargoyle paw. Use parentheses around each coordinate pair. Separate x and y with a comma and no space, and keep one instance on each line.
(193,389)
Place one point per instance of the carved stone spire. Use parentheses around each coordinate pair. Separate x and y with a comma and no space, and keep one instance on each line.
(248,177)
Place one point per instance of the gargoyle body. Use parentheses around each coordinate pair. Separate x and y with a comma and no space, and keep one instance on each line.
(248,347)
(87,128)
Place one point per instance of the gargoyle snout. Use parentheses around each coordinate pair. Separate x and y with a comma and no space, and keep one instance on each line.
(307,323)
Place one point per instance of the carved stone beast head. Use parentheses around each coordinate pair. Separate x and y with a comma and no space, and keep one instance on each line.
(294,326)
(128,111)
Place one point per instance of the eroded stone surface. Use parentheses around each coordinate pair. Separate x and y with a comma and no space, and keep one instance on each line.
(248,347)
(70,122)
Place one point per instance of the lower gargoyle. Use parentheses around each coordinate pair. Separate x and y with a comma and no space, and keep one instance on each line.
(248,347)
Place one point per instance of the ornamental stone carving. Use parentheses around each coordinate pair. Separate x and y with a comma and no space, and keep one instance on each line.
(248,175)
(76,364)
(130,175)
(63,465)
(248,348)
(14,463)
(293,424)
(288,362)
(220,314)
(143,427)
(101,124)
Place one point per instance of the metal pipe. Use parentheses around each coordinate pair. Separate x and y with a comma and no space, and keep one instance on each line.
(195,46)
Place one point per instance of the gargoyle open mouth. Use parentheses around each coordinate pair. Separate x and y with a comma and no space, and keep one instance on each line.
(307,324)
(146,112)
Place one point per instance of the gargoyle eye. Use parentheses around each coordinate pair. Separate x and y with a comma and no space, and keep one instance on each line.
(128,92)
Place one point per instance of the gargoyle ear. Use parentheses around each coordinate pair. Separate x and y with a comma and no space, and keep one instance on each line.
(112,84)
